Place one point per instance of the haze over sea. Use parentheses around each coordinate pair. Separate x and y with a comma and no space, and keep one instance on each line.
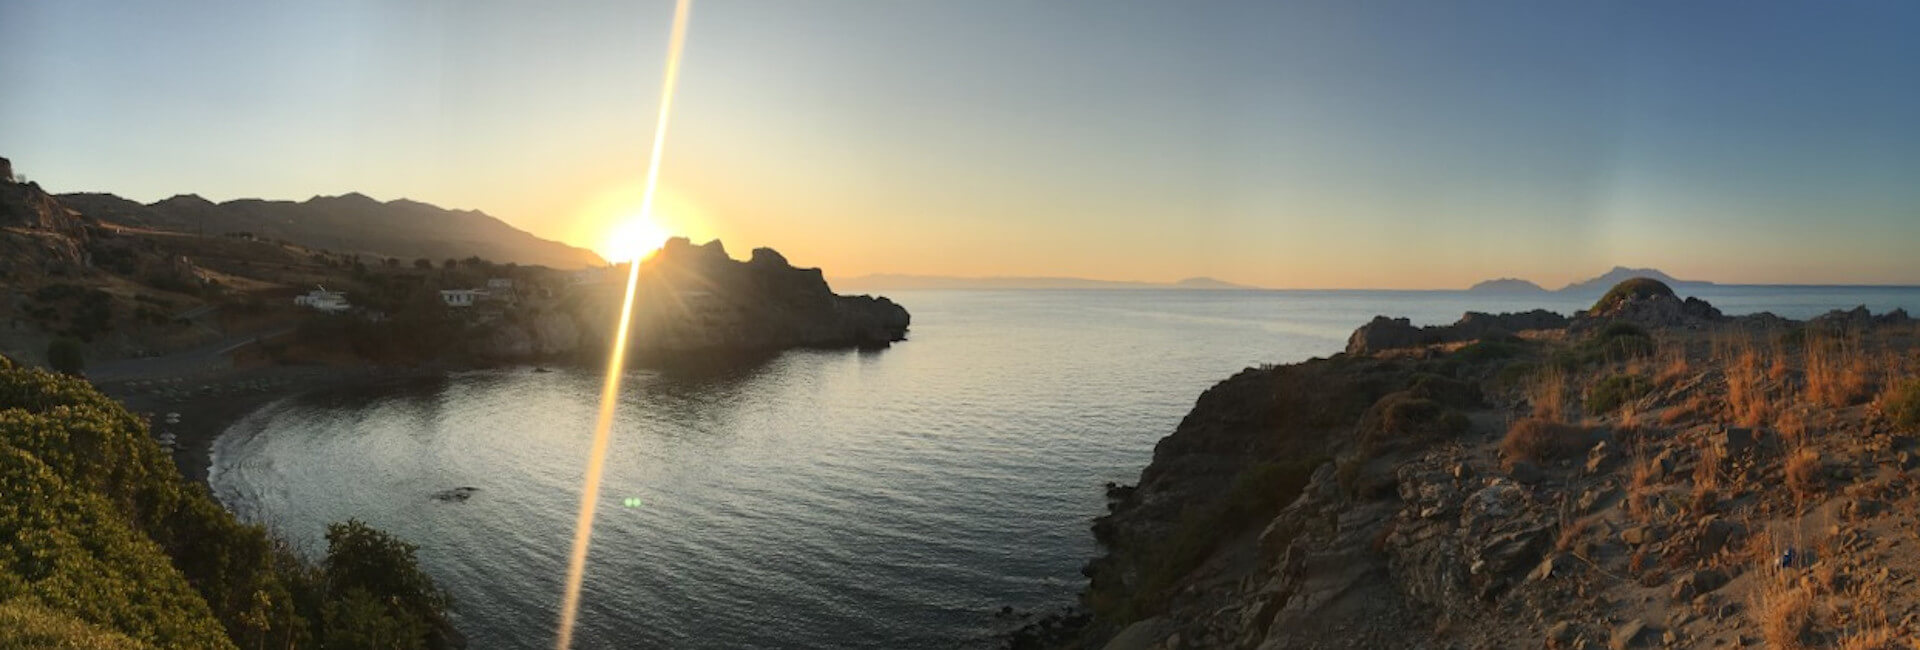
(887,499)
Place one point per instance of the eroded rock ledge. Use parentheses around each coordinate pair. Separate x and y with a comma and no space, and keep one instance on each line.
(1374,500)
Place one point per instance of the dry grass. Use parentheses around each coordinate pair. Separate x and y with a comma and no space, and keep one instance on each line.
(1538,440)
(1706,477)
(1747,402)
(1672,361)
(1547,392)
(1874,638)
(1803,472)
(1784,612)
(1839,372)
(1793,429)
(1640,489)
(1571,530)
(1695,408)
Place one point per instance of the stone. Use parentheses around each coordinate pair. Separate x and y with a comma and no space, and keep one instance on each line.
(1560,633)
(1715,533)
(1696,583)
(1636,535)
(1628,635)
(1600,458)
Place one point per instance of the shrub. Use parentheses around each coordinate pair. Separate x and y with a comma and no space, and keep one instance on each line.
(66,356)
(1402,416)
(1902,405)
(378,597)
(1803,472)
(1785,614)
(1490,350)
(1608,394)
(1539,440)
(1632,289)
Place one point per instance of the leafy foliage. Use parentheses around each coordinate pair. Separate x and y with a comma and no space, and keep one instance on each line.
(1608,394)
(100,536)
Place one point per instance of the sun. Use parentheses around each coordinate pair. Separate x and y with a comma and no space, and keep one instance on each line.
(633,238)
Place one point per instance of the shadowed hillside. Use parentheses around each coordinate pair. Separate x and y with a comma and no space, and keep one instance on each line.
(351,223)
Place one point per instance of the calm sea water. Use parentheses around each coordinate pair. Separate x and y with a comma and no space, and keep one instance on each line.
(823,499)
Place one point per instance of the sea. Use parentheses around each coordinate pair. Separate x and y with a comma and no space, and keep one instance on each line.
(820,499)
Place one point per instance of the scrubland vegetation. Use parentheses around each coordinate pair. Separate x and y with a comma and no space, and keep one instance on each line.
(104,545)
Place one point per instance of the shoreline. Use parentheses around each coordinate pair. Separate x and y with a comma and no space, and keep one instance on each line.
(208,405)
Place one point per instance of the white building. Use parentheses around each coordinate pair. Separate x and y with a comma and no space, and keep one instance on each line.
(460,297)
(499,284)
(320,299)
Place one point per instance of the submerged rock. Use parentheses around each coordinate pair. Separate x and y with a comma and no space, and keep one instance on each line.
(456,494)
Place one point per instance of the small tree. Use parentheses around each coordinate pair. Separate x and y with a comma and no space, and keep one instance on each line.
(423,263)
(66,355)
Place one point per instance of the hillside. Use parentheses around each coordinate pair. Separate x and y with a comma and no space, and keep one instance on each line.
(104,545)
(1649,473)
(350,224)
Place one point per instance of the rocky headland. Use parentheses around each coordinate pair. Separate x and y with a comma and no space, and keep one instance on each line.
(696,302)
(1646,473)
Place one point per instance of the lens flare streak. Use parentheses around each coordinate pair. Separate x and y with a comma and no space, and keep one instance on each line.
(616,362)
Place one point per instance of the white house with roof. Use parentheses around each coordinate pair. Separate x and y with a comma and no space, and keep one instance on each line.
(461,297)
(320,299)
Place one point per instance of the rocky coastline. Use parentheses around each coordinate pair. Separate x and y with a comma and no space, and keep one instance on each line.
(1398,495)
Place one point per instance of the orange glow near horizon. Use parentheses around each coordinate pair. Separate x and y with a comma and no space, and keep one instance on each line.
(617,359)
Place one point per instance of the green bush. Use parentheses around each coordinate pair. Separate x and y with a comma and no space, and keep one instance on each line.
(1635,288)
(98,532)
(377,594)
(1608,394)
(1902,406)
(1490,350)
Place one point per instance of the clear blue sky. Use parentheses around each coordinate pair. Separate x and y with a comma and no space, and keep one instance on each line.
(1296,144)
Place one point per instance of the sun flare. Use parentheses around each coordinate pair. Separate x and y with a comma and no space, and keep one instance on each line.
(634,238)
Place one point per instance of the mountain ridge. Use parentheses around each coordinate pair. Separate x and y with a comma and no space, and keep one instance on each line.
(1596,285)
(351,222)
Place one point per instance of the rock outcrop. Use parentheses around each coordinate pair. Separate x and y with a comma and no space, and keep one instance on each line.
(1381,501)
(1389,333)
(1648,303)
(695,301)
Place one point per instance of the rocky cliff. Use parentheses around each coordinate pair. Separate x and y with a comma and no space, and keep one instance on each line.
(696,301)
(1571,490)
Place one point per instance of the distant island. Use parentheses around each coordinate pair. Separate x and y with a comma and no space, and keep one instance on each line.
(1593,286)
(895,282)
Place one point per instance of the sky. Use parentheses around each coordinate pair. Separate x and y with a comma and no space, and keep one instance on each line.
(1332,144)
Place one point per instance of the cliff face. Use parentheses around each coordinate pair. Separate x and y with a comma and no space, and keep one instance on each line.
(695,300)
(39,234)
(1563,491)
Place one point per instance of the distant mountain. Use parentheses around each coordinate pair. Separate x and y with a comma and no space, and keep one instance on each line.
(1209,283)
(351,223)
(1507,285)
(1595,286)
(1621,274)
(896,282)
